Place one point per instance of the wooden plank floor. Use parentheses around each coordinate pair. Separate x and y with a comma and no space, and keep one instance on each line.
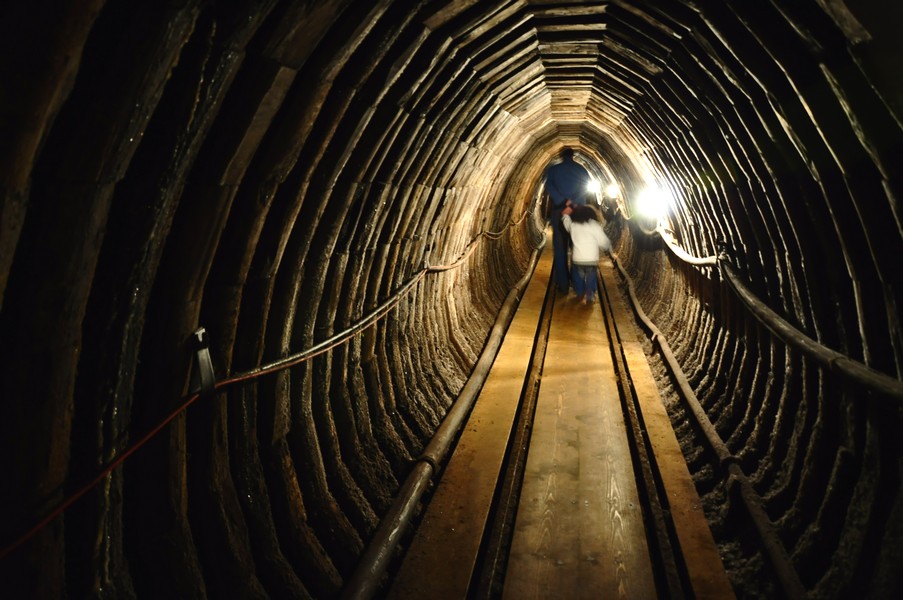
(705,571)
(579,531)
(443,554)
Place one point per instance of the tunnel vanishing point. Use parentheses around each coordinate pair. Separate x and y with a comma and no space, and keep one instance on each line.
(354,188)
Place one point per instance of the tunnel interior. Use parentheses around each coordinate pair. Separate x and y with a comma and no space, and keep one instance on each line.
(278,172)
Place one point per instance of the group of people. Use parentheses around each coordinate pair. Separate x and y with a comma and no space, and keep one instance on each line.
(575,227)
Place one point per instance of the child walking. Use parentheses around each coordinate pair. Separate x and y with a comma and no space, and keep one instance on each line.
(588,240)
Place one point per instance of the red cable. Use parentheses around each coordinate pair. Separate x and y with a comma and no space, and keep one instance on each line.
(88,486)
(301,357)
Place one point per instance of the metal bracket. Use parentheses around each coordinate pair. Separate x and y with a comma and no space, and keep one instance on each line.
(203,378)
(722,249)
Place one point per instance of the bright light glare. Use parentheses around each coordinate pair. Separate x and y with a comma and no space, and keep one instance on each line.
(653,203)
(611,191)
(593,186)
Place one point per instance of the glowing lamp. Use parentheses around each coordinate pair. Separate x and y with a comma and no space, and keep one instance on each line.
(653,203)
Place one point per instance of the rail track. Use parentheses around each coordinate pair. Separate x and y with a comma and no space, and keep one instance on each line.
(568,480)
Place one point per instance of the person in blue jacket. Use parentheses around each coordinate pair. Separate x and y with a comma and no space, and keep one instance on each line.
(566,183)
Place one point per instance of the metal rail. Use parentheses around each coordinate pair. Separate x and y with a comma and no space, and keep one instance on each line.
(367,576)
(737,481)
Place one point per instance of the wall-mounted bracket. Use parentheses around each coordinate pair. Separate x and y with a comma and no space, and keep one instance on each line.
(203,378)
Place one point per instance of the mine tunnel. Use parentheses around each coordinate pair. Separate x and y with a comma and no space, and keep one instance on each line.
(251,254)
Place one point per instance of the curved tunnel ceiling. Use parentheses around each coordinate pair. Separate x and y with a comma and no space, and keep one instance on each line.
(274,171)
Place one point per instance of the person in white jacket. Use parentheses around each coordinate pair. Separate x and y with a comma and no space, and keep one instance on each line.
(588,241)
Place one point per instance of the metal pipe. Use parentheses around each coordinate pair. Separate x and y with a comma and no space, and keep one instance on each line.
(702,419)
(368,574)
(736,478)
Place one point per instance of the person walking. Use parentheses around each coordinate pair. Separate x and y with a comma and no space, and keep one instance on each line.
(588,241)
(565,180)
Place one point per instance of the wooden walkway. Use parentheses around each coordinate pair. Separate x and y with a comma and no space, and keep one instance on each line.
(579,530)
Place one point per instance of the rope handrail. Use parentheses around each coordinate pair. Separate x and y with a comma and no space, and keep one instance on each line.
(682,254)
(278,365)
(837,362)
(329,343)
(831,359)
(497,234)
